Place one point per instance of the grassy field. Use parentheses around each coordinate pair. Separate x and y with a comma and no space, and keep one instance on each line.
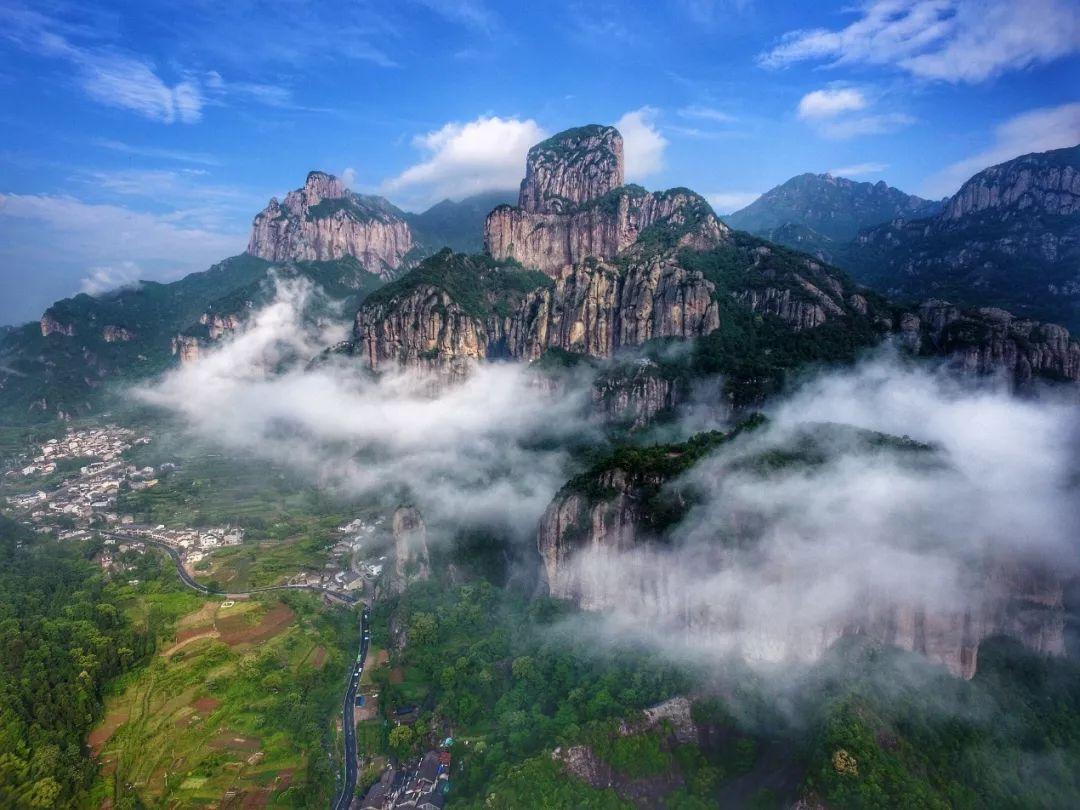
(258,564)
(237,706)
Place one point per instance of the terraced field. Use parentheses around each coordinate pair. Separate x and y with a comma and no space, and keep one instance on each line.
(235,709)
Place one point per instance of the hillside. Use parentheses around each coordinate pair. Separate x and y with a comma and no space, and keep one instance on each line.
(1009,238)
(835,208)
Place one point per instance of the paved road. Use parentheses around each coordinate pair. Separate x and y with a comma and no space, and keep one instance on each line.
(348,708)
(191,582)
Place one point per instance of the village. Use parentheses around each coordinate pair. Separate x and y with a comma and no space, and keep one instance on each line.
(86,500)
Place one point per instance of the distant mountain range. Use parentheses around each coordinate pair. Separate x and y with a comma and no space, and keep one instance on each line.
(833,207)
(1009,238)
(585,265)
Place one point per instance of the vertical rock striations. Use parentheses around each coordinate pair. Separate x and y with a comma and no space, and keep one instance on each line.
(574,206)
(324,221)
(411,559)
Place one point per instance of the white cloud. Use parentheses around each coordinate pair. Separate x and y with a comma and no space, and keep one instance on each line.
(95,245)
(486,450)
(1037,130)
(155,152)
(463,159)
(859,169)
(348,177)
(707,114)
(727,202)
(643,144)
(126,83)
(949,40)
(104,278)
(828,103)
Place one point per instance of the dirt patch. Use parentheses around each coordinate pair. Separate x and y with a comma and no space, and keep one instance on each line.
(205,705)
(318,658)
(193,632)
(257,799)
(383,658)
(397,675)
(103,733)
(235,630)
(369,711)
(227,741)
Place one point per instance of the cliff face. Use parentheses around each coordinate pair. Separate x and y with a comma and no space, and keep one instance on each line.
(1032,183)
(324,221)
(593,309)
(573,206)
(411,562)
(572,168)
(992,341)
(51,326)
(1009,238)
(599,547)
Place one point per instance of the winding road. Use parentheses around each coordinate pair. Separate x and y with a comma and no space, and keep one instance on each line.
(348,706)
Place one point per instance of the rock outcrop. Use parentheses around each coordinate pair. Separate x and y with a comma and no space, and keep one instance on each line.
(324,221)
(117,334)
(186,347)
(51,326)
(411,559)
(602,545)
(594,308)
(992,341)
(574,206)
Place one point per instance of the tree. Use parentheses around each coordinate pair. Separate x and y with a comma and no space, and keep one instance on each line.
(402,740)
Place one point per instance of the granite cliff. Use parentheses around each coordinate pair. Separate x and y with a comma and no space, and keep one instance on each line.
(574,205)
(325,221)
(606,543)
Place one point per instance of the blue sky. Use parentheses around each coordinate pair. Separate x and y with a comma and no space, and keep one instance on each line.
(139,139)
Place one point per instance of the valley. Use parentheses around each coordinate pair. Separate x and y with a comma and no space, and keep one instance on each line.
(627,509)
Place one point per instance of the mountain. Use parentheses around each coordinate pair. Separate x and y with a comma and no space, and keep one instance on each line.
(62,364)
(457,225)
(619,517)
(1009,238)
(622,267)
(325,221)
(834,208)
(583,266)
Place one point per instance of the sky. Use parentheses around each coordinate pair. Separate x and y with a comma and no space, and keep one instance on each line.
(139,139)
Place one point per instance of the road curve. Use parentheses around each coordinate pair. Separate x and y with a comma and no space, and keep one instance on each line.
(191,582)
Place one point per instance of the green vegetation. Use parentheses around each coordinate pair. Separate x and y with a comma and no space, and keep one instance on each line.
(480,285)
(64,634)
(1010,738)
(507,679)
(241,699)
(357,207)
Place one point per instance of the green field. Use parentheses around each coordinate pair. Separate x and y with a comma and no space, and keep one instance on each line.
(237,705)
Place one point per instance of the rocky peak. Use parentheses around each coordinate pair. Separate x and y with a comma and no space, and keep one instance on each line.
(574,206)
(571,168)
(325,221)
(1045,182)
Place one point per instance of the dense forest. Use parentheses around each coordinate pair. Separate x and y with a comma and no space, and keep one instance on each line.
(62,637)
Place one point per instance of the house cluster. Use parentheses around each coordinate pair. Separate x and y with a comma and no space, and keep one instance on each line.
(193,544)
(87,497)
(105,443)
(420,785)
(345,570)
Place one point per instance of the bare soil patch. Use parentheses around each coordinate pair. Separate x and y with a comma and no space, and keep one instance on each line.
(227,741)
(397,675)
(318,657)
(103,733)
(205,705)
(235,630)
